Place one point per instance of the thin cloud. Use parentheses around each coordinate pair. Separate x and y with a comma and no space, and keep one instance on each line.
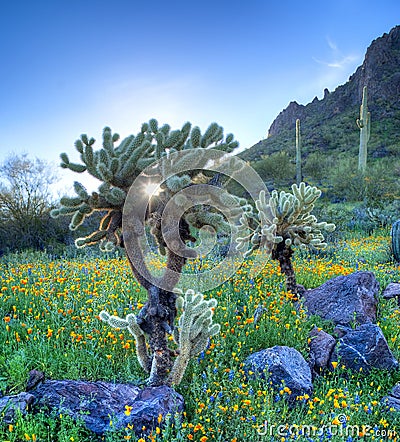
(339,63)
(331,44)
(338,60)
(332,70)
(345,61)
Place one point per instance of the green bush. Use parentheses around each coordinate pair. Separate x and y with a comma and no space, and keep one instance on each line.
(276,170)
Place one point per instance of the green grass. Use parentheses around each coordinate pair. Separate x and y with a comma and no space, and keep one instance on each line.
(49,322)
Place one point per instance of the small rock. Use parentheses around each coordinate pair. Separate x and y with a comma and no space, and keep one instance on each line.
(282,366)
(341,330)
(364,348)
(393,400)
(345,298)
(392,291)
(35,378)
(10,404)
(321,348)
(396,391)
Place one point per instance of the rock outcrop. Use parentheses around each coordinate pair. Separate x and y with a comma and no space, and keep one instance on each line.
(102,406)
(392,401)
(361,349)
(380,72)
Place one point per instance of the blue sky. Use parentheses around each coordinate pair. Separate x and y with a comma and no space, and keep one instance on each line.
(74,66)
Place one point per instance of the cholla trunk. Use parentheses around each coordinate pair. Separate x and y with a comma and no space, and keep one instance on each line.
(159,319)
(157,316)
(283,254)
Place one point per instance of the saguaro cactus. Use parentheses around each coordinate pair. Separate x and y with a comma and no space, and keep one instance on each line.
(395,234)
(364,124)
(299,175)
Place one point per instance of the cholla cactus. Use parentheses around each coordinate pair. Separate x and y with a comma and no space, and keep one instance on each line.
(195,328)
(131,324)
(118,166)
(193,332)
(285,221)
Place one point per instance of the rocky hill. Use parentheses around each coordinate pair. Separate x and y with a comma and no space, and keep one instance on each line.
(329,125)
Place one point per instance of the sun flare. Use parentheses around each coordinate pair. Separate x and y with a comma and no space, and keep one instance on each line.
(152,189)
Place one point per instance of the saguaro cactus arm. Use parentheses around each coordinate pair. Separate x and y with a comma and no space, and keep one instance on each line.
(395,239)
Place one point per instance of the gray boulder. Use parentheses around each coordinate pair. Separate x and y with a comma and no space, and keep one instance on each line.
(364,348)
(281,366)
(345,298)
(96,403)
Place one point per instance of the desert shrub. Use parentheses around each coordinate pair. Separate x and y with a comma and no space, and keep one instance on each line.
(378,185)
(276,170)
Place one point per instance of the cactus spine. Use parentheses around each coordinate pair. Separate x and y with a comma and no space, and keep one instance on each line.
(299,176)
(395,234)
(364,124)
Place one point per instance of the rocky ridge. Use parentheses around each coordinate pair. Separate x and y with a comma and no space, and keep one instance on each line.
(380,72)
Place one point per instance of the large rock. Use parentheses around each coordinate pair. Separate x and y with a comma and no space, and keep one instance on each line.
(282,366)
(345,298)
(321,347)
(393,400)
(98,403)
(10,406)
(364,348)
